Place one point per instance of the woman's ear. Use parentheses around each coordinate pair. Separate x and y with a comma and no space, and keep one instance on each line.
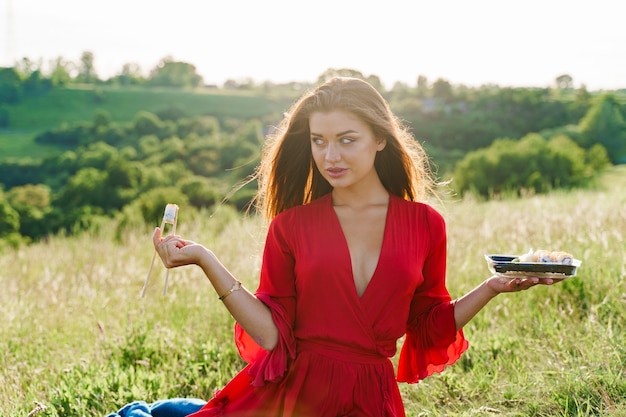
(381,144)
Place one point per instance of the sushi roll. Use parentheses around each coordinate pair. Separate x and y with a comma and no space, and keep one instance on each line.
(546,256)
(560,257)
(543,256)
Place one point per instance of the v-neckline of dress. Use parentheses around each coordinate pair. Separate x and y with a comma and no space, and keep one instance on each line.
(346,248)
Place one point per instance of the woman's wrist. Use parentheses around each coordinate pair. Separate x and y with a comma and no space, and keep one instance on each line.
(222,280)
(207,261)
(492,292)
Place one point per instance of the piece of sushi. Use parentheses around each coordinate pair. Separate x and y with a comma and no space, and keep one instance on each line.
(543,256)
(560,257)
(527,257)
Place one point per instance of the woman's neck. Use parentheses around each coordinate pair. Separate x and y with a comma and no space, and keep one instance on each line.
(362,197)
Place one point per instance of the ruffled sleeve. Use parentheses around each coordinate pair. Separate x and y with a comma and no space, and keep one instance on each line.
(277,291)
(432,341)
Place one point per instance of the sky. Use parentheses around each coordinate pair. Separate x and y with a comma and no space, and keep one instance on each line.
(505,42)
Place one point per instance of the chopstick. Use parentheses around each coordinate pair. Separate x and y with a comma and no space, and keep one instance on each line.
(170,216)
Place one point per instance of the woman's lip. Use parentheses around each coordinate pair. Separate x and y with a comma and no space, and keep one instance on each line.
(335,172)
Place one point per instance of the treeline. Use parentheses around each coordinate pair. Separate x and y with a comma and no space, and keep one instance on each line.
(488,140)
(29,78)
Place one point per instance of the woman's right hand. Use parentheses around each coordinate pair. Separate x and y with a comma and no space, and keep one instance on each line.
(253,316)
(175,251)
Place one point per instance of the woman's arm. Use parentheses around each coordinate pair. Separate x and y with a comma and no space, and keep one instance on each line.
(251,314)
(467,306)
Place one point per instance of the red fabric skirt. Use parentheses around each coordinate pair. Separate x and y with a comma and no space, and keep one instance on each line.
(320,382)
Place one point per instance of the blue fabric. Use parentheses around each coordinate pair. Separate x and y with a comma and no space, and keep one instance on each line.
(175,407)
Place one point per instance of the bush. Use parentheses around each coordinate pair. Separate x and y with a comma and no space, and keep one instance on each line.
(532,163)
(199,191)
(152,204)
(9,219)
(67,135)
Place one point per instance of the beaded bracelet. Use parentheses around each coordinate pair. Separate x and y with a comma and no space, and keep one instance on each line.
(236,287)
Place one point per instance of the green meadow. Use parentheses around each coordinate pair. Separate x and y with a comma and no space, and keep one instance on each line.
(76,338)
(60,106)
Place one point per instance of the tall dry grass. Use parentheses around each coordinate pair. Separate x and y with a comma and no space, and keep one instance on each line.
(77,340)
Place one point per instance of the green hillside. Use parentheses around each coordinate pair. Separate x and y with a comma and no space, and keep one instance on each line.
(68,105)
(77,337)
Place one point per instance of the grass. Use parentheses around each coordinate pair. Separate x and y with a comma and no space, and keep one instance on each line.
(77,340)
(19,144)
(68,105)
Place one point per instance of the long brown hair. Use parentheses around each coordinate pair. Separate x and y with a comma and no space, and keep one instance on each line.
(287,175)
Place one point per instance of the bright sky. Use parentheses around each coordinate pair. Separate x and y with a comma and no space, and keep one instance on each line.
(471,42)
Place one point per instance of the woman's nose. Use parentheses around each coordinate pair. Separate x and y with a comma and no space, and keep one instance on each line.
(332,152)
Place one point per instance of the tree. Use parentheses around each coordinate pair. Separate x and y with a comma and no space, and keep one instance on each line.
(567,165)
(86,71)
(36,195)
(564,82)
(374,80)
(199,191)
(35,84)
(147,123)
(203,159)
(61,72)
(31,202)
(97,155)
(529,163)
(604,124)
(422,86)
(442,89)
(131,74)
(25,67)
(86,188)
(152,203)
(122,174)
(597,157)
(400,89)
(170,73)
(9,219)
(10,86)
(101,118)
(582,102)
(172,149)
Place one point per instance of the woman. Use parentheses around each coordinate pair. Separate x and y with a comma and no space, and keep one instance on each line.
(352,262)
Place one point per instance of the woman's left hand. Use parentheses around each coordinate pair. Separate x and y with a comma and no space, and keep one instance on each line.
(471,303)
(505,284)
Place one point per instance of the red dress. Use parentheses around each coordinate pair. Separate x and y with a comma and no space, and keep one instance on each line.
(333,354)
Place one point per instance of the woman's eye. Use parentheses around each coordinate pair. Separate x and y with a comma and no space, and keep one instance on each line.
(317,141)
(347,140)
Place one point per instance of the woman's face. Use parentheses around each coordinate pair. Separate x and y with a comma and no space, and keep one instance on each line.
(344,148)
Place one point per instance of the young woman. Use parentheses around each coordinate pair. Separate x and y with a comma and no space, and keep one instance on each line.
(354,260)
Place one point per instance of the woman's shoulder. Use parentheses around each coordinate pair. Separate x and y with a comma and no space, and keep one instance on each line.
(303,211)
(416,207)
(421,216)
